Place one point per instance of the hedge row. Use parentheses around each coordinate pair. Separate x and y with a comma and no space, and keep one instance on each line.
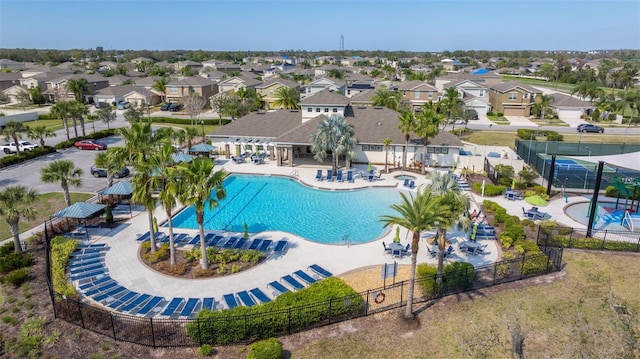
(14,265)
(94,136)
(527,134)
(456,277)
(188,121)
(321,301)
(61,249)
(25,155)
(489,189)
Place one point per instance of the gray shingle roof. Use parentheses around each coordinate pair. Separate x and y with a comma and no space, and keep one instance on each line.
(196,81)
(284,82)
(325,97)
(118,91)
(564,101)
(261,124)
(411,85)
(508,86)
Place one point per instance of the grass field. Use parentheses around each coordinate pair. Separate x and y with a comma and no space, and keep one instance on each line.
(46,205)
(497,138)
(591,312)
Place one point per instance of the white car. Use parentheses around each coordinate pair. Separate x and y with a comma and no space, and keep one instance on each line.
(24,146)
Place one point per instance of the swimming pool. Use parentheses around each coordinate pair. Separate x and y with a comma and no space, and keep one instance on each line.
(272,203)
(608,216)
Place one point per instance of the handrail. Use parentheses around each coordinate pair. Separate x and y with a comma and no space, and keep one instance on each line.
(628,220)
(295,173)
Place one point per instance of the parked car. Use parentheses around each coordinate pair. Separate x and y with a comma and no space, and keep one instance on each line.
(123,105)
(165,106)
(588,127)
(102,172)
(175,107)
(101,104)
(23,145)
(90,145)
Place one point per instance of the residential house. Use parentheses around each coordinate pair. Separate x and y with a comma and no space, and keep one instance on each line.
(141,97)
(324,70)
(452,64)
(11,65)
(57,90)
(357,83)
(228,68)
(8,79)
(363,98)
(268,90)
(235,83)
(324,102)
(146,82)
(570,107)
(13,92)
(513,98)
(416,93)
(187,63)
(177,89)
(141,59)
(474,95)
(113,94)
(324,83)
(117,80)
(38,80)
(213,75)
(487,80)
(46,69)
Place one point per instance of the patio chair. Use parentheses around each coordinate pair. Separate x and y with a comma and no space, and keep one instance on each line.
(412,184)
(172,307)
(240,243)
(350,176)
(208,303)
(321,271)
(373,177)
(305,277)
(230,300)
(405,250)
(246,299)
(123,300)
(135,303)
(230,243)
(264,246)
(339,177)
(319,175)
(259,295)
(406,182)
(278,288)
(329,176)
(449,251)
(292,282)
(386,249)
(190,307)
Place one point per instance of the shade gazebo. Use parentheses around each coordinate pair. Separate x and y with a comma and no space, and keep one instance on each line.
(81,211)
(119,189)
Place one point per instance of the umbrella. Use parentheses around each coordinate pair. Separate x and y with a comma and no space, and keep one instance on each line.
(536,200)
(513,183)
(202,147)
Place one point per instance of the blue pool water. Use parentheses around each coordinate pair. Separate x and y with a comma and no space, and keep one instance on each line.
(267,203)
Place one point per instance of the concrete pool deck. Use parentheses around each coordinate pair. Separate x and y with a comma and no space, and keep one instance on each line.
(126,268)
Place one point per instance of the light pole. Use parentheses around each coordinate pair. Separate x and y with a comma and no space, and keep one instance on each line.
(202,123)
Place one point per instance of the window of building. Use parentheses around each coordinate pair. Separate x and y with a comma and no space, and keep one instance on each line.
(377,148)
(318,109)
(430,94)
(417,94)
(271,92)
(526,95)
(513,96)
(326,109)
(481,93)
(310,109)
(335,109)
(173,89)
(308,89)
(348,92)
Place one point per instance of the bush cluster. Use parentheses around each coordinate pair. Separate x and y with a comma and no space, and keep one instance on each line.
(161,253)
(61,249)
(456,276)
(513,232)
(611,191)
(93,136)
(14,265)
(489,189)
(25,155)
(188,121)
(222,256)
(265,349)
(527,134)
(322,300)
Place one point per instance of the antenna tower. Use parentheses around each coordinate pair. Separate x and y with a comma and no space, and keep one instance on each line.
(341,43)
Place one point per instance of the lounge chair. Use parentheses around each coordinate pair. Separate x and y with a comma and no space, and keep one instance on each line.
(259,295)
(374,178)
(208,303)
(172,307)
(123,300)
(281,246)
(412,184)
(264,246)
(95,283)
(195,240)
(188,309)
(230,243)
(151,304)
(292,282)
(246,299)
(321,271)
(241,242)
(137,302)
(278,288)
(305,277)
(100,289)
(319,175)
(145,236)
(231,301)
(214,240)
(329,176)
(350,176)
(339,177)
(255,244)
(406,182)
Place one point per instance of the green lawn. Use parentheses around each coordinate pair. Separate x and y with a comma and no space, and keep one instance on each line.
(547,122)
(589,312)
(499,120)
(491,138)
(46,205)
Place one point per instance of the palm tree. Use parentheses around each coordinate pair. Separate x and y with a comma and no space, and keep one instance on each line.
(61,111)
(169,181)
(587,89)
(428,123)
(16,202)
(333,135)
(629,98)
(13,132)
(40,133)
(189,134)
(161,86)
(542,105)
(78,111)
(451,102)
(111,161)
(406,126)
(455,205)
(286,98)
(386,98)
(66,173)
(199,181)
(416,214)
(79,87)
(386,143)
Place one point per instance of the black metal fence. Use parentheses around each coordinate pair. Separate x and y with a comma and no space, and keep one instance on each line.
(568,237)
(192,332)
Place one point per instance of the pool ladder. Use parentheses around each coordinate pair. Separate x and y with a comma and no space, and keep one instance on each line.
(295,173)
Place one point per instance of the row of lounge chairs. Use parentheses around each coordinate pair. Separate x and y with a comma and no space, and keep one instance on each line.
(411,184)
(338,176)
(462,183)
(482,231)
(216,240)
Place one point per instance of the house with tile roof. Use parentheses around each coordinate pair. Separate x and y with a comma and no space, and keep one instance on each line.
(56,89)
(474,95)
(269,89)
(176,89)
(513,98)
(325,103)
(324,83)
(417,93)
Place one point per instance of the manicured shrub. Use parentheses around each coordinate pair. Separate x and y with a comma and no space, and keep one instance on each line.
(25,155)
(554,136)
(61,249)
(456,276)
(535,263)
(489,189)
(505,240)
(205,350)
(265,349)
(14,260)
(16,277)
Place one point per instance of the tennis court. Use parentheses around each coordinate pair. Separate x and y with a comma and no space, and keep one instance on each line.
(573,173)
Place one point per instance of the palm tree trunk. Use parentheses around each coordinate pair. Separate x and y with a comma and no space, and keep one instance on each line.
(412,277)
(386,160)
(404,154)
(441,248)
(424,156)
(82,127)
(66,127)
(110,179)
(75,126)
(15,232)
(15,141)
(203,248)
(65,191)
(152,233)
(172,249)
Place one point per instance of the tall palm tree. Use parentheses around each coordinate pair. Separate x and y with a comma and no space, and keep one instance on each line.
(542,105)
(189,134)
(286,98)
(64,172)
(78,111)
(112,161)
(199,181)
(455,206)
(170,182)
(61,111)
(386,97)
(386,143)
(407,125)
(16,202)
(13,132)
(587,90)
(629,98)
(40,133)
(334,135)
(79,87)
(161,86)
(417,214)
(451,102)
(428,123)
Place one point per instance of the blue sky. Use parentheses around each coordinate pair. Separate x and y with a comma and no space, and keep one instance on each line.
(222,25)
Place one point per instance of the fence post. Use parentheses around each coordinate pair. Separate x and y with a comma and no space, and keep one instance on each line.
(289,321)
(638,246)
(522,266)
(604,239)
(199,331)
(330,301)
(80,314)
(401,291)
(366,308)
(153,334)
(113,327)
(495,272)
(570,237)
